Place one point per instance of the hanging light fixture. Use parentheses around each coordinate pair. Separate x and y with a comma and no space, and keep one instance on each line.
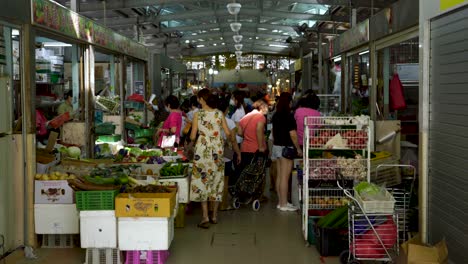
(233,8)
(238,53)
(236,26)
(237,38)
(238,46)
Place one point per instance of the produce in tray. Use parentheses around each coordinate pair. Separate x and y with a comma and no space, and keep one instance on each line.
(337,218)
(173,169)
(148,189)
(54,176)
(81,184)
(349,168)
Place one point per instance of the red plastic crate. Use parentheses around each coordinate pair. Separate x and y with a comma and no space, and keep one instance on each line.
(59,120)
(146,257)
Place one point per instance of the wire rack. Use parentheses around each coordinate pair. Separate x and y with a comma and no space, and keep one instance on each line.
(333,145)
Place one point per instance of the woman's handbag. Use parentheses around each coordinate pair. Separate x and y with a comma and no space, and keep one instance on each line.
(168,141)
(289,153)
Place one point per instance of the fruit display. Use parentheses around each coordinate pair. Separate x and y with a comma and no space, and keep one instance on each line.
(339,139)
(150,188)
(173,169)
(54,176)
(327,169)
(327,201)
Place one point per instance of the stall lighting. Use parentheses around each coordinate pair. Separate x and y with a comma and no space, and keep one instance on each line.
(364,52)
(238,46)
(56,44)
(233,8)
(15,32)
(237,38)
(210,71)
(278,46)
(235,26)
(200,46)
(336,59)
(187,41)
(238,53)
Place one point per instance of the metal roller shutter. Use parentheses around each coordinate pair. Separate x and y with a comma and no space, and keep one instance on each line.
(448,134)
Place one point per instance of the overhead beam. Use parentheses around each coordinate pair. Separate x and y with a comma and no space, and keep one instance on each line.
(120,4)
(221,13)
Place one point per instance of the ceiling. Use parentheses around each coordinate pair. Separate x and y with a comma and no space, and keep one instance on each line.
(181,28)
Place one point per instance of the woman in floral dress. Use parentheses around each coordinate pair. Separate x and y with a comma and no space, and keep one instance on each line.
(208,164)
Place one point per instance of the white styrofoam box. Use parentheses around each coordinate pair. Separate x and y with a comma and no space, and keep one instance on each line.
(183,187)
(44,168)
(53,192)
(98,229)
(56,219)
(145,233)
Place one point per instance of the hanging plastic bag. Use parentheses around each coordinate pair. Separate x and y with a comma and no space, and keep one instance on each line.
(397,99)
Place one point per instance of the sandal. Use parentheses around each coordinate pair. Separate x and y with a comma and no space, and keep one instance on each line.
(214,221)
(204,225)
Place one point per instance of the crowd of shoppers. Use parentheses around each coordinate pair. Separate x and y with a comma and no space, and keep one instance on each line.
(223,146)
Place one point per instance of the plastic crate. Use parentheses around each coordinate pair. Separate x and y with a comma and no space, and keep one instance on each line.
(59,120)
(383,207)
(134,105)
(312,222)
(105,129)
(146,257)
(96,200)
(109,138)
(331,241)
(145,132)
(57,241)
(102,256)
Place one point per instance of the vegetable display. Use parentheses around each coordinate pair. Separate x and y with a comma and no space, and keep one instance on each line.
(337,218)
(173,169)
(148,189)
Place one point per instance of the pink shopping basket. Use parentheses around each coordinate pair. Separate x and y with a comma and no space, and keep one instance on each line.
(146,257)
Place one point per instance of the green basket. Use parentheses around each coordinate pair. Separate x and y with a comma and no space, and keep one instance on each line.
(105,129)
(143,133)
(132,126)
(95,200)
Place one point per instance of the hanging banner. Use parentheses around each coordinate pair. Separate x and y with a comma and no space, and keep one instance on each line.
(446,4)
(55,17)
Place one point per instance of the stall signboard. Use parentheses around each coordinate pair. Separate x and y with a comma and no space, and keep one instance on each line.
(53,16)
(355,36)
(447,4)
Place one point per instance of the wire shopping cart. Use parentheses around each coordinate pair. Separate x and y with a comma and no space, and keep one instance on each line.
(402,195)
(373,232)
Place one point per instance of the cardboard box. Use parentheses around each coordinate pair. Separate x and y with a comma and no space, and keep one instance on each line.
(53,192)
(415,252)
(145,204)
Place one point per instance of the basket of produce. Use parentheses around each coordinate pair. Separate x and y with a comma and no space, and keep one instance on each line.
(107,104)
(104,129)
(374,199)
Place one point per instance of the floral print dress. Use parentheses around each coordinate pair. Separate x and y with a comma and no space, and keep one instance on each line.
(208,164)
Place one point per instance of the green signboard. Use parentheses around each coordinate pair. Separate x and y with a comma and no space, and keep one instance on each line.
(64,21)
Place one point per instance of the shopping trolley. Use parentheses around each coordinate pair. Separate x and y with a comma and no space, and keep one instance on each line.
(372,230)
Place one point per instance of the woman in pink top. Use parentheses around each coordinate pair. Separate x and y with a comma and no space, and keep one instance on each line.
(308,107)
(173,123)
